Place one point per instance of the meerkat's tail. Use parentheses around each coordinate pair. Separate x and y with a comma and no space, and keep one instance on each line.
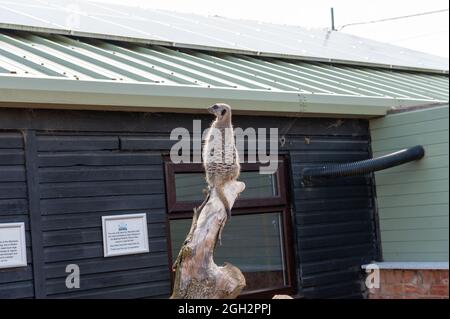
(224,200)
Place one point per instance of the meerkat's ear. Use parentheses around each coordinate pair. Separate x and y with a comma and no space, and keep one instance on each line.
(223,112)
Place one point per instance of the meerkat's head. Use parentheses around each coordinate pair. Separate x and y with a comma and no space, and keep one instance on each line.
(221,110)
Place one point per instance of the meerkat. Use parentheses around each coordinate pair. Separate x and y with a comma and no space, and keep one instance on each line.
(220,156)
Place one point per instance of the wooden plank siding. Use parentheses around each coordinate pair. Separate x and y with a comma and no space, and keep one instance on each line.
(413,198)
(92,164)
(15,282)
(83,178)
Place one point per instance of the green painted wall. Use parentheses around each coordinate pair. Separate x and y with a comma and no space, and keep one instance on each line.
(413,198)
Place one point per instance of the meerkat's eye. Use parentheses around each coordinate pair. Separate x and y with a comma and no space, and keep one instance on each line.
(223,112)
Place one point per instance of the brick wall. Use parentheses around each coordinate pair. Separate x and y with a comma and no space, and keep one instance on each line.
(411,284)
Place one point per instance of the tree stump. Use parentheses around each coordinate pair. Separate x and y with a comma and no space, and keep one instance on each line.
(196,274)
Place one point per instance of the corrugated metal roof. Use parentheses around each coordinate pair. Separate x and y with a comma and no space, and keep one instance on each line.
(26,56)
(88,19)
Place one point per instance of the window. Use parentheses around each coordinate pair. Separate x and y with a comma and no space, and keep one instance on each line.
(257,237)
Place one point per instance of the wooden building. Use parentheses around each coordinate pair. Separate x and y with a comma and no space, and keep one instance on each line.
(85,125)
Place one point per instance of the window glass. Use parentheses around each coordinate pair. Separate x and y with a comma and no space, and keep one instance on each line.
(189,186)
(252,242)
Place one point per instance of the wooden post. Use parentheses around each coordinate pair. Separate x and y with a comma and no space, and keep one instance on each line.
(196,274)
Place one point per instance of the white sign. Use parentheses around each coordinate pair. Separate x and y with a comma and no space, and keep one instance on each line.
(124,234)
(13,248)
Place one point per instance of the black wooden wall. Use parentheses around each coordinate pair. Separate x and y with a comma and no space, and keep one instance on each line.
(14,208)
(60,171)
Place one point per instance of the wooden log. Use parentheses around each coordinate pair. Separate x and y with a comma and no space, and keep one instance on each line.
(196,274)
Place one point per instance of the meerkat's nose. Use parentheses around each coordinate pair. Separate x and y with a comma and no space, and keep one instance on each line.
(213,108)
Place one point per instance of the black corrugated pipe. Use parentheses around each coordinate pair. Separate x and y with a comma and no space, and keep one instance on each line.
(365,166)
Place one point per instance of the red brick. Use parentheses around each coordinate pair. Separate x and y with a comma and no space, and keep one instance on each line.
(397,290)
(426,276)
(382,277)
(414,289)
(392,276)
(411,289)
(411,284)
(409,276)
(437,276)
(390,289)
(382,297)
(411,296)
(384,289)
(444,277)
(375,291)
(439,290)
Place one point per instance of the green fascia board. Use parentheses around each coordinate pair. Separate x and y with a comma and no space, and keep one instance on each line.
(149,96)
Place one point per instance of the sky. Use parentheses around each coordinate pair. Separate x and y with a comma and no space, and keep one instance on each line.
(427,33)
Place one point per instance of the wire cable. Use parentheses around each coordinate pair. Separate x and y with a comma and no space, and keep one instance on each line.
(393,18)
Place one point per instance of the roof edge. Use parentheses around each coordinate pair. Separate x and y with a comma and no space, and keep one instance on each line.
(151,97)
(212,49)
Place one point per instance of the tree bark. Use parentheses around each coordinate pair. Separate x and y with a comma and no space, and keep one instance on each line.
(196,274)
